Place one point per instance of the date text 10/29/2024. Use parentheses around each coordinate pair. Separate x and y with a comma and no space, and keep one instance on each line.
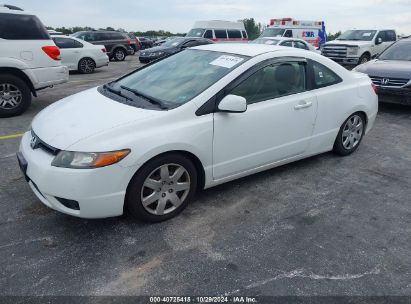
(204,299)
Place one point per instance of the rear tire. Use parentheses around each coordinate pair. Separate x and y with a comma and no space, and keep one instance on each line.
(119,54)
(15,95)
(86,66)
(350,135)
(162,188)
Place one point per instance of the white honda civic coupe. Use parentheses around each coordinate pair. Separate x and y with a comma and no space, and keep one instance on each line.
(207,115)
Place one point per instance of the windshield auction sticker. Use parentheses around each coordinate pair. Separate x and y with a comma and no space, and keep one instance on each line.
(226,61)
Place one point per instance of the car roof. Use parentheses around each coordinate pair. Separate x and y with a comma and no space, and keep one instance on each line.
(245,49)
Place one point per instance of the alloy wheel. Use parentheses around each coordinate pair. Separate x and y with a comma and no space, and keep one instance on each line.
(165,189)
(352,132)
(120,55)
(87,66)
(10,96)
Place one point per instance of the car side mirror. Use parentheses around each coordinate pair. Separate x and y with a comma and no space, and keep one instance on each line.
(379,41)
(233,104)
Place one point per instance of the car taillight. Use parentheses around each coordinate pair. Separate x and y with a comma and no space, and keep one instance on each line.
(374,88)
(129,41)
(52,51)
(138,41)
(104,50)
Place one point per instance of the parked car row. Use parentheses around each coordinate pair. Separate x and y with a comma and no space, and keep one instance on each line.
(31,60)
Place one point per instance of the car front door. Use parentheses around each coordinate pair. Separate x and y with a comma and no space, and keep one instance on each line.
(380,47)
(277,125)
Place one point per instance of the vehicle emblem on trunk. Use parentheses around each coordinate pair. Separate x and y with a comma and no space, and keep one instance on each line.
(34,142)
(385,81)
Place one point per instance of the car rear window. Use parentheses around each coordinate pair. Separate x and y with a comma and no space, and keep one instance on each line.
(22,27)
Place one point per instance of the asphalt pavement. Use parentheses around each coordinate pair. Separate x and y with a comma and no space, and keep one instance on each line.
(326,225)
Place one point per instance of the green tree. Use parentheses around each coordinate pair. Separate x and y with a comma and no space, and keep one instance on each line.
(331,36)
(253,29)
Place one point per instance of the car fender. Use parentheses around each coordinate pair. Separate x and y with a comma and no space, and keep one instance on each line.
(13,63)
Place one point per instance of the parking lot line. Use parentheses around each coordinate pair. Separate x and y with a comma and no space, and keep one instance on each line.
(17,135)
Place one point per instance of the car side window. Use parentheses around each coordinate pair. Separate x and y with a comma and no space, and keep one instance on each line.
(220,34)
(208,34)
(382,35)
(288,33)
(234,34)
(323,76)
(66,43)
(300,45)
(90,37)
(77,44)
(391,36)
(287,43)
(273,81)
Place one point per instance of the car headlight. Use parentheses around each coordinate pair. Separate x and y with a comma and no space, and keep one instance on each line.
(352,50)
(156,54)
(88,160)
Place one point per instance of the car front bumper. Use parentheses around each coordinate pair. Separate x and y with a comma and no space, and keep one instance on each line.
(147,59)
(345,60)
(394,95)
(99,192)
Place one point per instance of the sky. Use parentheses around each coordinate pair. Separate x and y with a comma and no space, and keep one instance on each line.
(179,15)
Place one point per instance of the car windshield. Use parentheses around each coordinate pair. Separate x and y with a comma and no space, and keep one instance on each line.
(273,32)
(196,33)
(173,42)
(363,35)
(177,79)
(266,41)
(398,51)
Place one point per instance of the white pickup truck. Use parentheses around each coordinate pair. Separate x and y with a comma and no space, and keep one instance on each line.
(355,47)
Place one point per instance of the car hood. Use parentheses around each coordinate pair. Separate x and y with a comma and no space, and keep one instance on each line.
(349,42)
(83,115)
(387,68)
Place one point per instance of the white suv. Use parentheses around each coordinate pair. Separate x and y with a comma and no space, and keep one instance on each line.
(29,60)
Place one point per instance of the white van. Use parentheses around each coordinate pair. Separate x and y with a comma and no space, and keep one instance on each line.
(219,31)
(312,32)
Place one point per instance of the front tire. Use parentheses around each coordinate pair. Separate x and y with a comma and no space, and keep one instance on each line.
(86,66)
(119,55)
(162,188)
(364,59)
(350,135)
(15,95)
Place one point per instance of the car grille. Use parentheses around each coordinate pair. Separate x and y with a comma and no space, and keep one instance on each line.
(389,82)
(335,51)
(37,143)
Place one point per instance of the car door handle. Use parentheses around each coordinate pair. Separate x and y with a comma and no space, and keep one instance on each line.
(303,104)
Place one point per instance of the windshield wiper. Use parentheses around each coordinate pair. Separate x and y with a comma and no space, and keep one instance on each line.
(106,87)
(149,98)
